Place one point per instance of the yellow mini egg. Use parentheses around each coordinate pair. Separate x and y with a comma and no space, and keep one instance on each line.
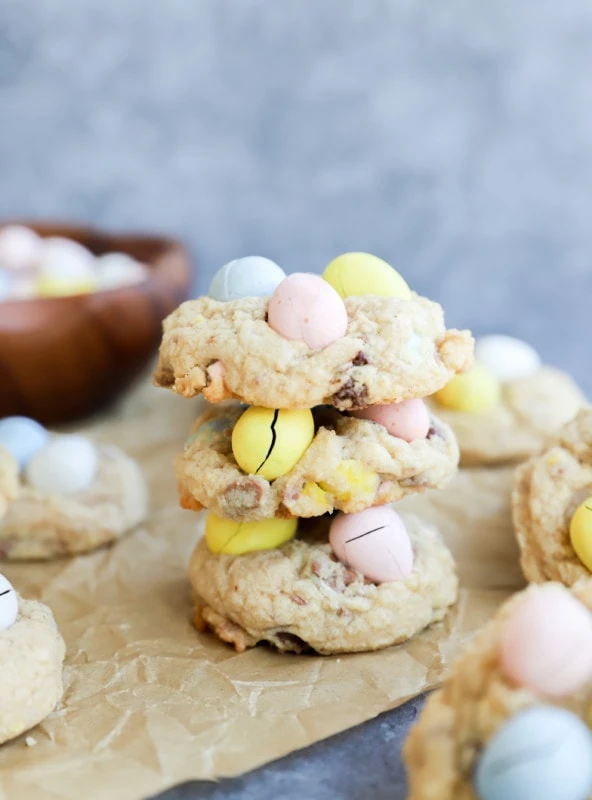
(237,538)
(362,273)
(316,495)
(351,481)
(269,442)
(50,286)
(580,533)
(473,391)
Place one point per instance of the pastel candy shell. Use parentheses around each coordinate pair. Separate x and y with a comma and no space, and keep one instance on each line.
(306,308)
(543,753)
(546,644)
(251,276)
(375,542)
(407,420)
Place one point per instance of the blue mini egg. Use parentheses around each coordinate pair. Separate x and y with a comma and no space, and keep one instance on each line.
(543,753)
(252,276)
(210,430)
(22,437)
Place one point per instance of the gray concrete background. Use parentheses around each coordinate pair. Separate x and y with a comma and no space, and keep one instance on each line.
(452,138)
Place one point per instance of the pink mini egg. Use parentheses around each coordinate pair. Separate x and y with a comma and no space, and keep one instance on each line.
(547,643)
(375,542)
(306,308)
(407,420)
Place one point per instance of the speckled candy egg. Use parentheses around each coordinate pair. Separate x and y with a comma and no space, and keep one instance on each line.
(306,308)
(362,273)
(543,753)
(473,392)
(546,643)
(251,276)
(407,420)
(22,437)
(64,268)
(269,442)
(19,247)
(375,542)
(506,357)
(237,538)
(67,464)
(8,604)
(118,269)
(580,533)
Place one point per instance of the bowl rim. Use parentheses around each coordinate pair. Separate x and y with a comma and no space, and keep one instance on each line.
(171,264)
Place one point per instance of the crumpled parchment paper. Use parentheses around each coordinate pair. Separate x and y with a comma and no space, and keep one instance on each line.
(149,702)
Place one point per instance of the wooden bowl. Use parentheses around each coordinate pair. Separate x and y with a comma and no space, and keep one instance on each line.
(62,358)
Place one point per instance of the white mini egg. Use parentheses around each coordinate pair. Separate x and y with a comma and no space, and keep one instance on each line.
(506,357)
(65,259)
(118,269)
(66,465)
(8,604)
(19,247)
(6,285)
(251,276)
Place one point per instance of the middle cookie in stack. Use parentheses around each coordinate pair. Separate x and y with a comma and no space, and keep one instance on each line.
(276,564)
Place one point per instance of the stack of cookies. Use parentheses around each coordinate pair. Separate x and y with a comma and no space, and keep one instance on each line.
(316,424)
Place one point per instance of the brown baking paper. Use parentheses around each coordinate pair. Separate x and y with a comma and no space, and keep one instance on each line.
(149,702)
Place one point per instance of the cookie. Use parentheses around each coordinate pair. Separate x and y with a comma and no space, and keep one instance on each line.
(531,411)
(459,722)
(31,656)
(43,525)
(394,349)
(298,597)
(547,491)
(350,465)
(9,480)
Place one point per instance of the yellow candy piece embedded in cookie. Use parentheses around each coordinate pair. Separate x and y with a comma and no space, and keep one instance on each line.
(317,496)
(351,481)
(473,391)
(580,533)
(269,443)
(51,286)
(237,538)
(362,273)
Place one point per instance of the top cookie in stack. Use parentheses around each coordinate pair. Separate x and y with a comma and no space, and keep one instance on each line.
(355,338)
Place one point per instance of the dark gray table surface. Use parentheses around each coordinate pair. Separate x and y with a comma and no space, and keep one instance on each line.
(452,139)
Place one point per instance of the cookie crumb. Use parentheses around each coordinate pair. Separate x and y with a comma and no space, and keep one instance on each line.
(30,741)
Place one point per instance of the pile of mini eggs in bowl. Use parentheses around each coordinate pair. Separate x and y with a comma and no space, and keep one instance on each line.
(32,266)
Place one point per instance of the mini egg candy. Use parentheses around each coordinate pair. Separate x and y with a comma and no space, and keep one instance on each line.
(251,276)
(50,286)
(269,443)
(306,308)
(580,533)
(118,269)
(350,480)
(506,357)
(472,392)
(67,464)
(375,542)
(65,259)
(8,604)
(362,273)
(407,420)
(22,437)
(6,285)
(542,753)
(237,538)
(546,643)
(19,247)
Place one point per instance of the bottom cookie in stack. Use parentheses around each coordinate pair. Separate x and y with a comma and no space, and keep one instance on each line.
(342,584)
